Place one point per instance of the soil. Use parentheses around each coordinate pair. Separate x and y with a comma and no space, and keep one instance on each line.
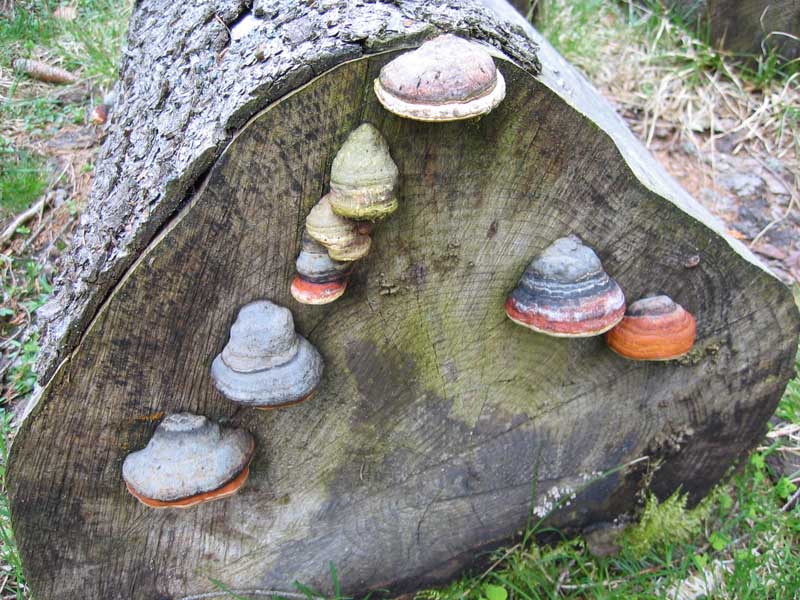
(756,198)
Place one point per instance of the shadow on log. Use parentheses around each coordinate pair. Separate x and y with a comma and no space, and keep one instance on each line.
(440,427)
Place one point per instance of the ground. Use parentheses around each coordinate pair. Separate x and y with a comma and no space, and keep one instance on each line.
(727,129)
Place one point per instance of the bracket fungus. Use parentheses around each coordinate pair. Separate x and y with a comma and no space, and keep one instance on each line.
(189,460)
(446,79)
(320,279)
(342,237)
(565,292)
(654,328)
(364,176)
(266,363)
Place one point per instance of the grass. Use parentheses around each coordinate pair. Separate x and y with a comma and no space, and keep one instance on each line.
(88,46)
(741,542)
(657,71)
(22,179)
(13,585)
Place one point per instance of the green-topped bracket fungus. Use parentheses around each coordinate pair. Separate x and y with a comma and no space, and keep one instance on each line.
(438,426)
(364,177)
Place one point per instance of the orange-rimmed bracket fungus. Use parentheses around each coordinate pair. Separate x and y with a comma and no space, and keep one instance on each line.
(266,363)
(448,78)
(565,292)
(319,279)
(364,177)
(654,328)
(188,461)
(342,237)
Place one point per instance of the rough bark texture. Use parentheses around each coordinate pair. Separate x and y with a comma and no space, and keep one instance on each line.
(186,87)
(747,26)
(440,427)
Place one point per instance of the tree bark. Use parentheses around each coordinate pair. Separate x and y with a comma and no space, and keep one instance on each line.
(441,429)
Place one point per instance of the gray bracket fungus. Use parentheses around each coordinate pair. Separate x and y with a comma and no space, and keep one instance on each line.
(446,79)
(188,457)
(266,363)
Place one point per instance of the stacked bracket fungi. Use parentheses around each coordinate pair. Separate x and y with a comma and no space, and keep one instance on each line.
(654,328)
(189,460)
(566,293)
(446,79)
(319,279)
(342,237)
(363,190)
(266,363)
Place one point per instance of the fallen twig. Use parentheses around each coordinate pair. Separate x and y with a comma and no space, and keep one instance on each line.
(21,219)
(790,502)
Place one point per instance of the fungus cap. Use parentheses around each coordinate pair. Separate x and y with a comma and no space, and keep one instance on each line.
(262,337)
(565,292)
(364,176)
(320,279)
(292,379)
(446,79)
(314,264)
(316,294)
(189,460)
(654,328)
(339,235)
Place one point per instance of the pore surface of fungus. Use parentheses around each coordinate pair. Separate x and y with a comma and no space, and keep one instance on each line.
(266,363)
(565,292)
(189,460)
(320,279)
(446,79)
(364,176)
(654,328)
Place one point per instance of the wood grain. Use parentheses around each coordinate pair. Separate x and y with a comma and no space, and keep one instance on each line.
(440,427)
(186,86)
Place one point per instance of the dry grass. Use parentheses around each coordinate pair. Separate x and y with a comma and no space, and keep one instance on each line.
(664,78)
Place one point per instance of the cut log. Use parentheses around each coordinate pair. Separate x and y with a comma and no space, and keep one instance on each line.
(746,26)
(440,428)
